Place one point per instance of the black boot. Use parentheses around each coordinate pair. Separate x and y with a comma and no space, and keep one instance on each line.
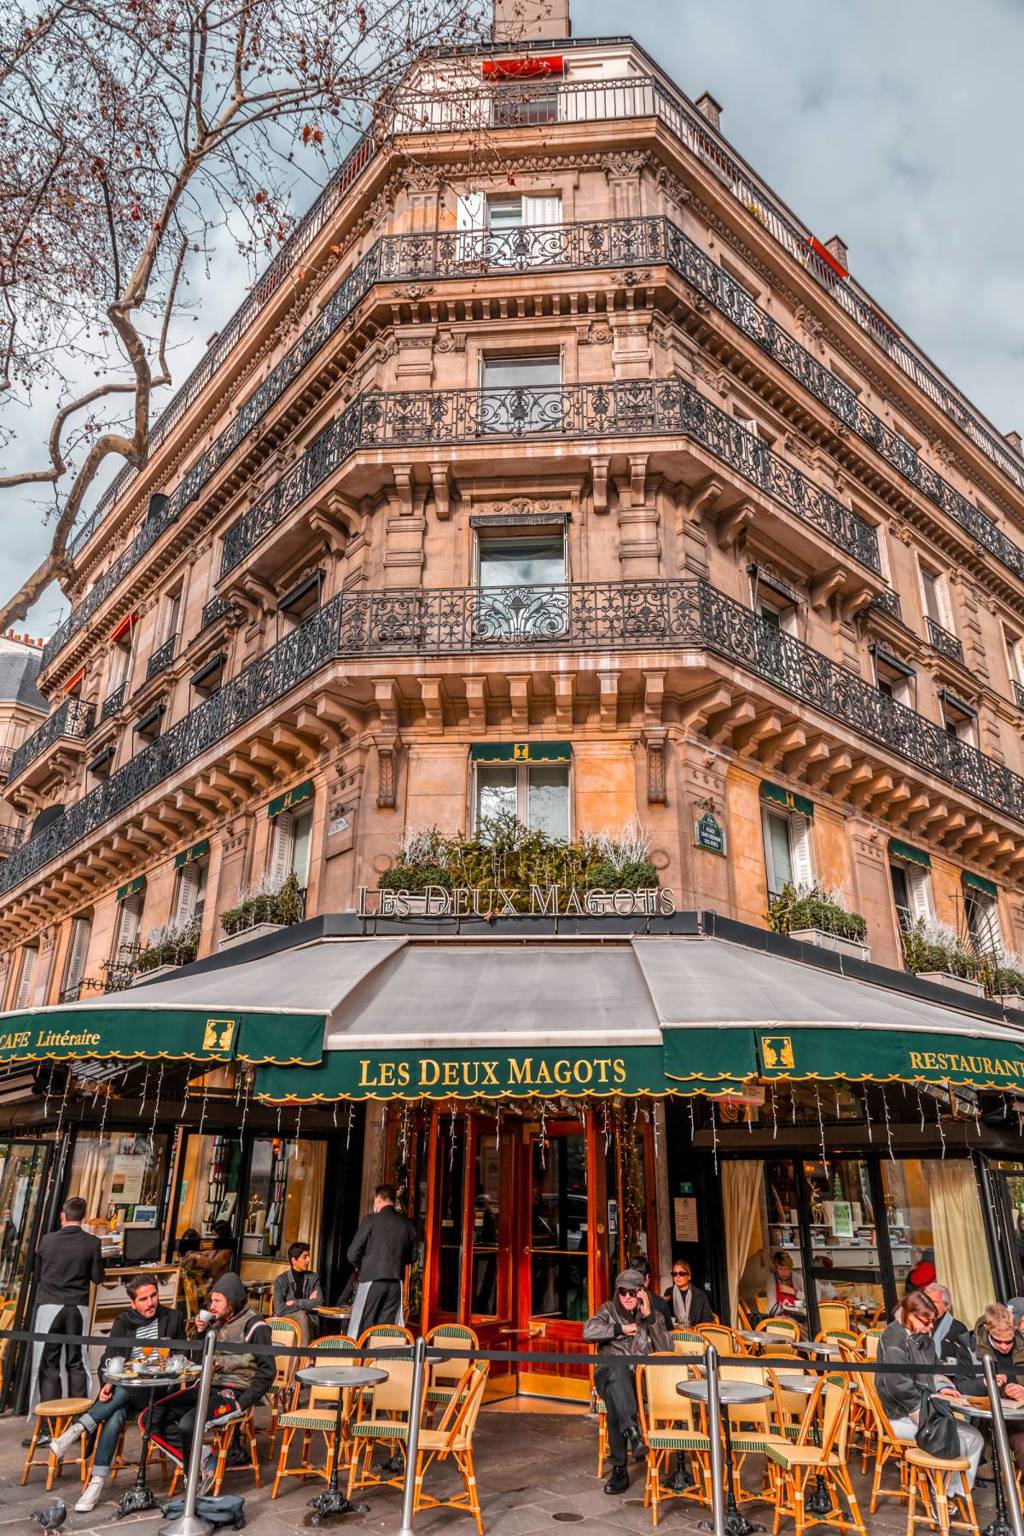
(635,1443)
(619,1480)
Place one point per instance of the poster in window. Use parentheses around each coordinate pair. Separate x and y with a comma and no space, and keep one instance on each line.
(127,1173)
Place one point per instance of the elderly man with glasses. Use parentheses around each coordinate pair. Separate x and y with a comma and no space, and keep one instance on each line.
(625,1329)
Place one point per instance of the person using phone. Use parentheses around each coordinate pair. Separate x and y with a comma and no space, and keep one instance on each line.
(625,1329)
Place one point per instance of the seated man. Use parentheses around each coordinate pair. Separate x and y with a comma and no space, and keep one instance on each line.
(997,1335)
(144,1323)
(298,1292)
(954,1342)
(625,1328)
(242,1379)
(908,1341)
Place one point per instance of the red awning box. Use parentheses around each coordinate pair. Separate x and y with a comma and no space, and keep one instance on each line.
(73,682)
(127,623)
(826,256)
(524,69)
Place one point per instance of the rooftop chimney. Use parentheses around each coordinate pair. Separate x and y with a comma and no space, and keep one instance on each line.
(837,247)
(524,21)
(710,108)
(1013,438)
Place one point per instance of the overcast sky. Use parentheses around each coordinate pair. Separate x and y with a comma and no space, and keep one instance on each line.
(895,123)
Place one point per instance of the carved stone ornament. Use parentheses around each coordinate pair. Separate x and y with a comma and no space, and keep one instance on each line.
(808,322)
(388,747)
(627,162)
(654,739)
(597,333)
(672,187)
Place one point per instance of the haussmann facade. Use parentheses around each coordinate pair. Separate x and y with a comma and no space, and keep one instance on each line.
(554,470)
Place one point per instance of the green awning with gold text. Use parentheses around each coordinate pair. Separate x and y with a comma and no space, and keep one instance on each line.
(884,1055)
(161,1033)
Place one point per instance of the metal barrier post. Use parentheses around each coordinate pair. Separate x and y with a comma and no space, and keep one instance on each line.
(188,1522)
(715,1434)
(419,1359)
(1007,1502)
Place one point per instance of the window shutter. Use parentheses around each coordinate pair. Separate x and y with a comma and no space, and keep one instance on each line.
(43,967)
(542,210)
(990,938)
(800,851)
(188,895)
(29,956)
(920,894)
(81,932)
(469,210)
(128,927)
(282,849)
(303,832)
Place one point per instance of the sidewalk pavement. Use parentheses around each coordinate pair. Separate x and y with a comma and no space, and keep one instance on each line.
(535,1470)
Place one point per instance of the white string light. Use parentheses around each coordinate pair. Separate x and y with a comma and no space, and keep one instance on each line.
(888,1126)
(348,1131)
(821,1129)
(156,1103)
(145,1092)
(775,1116)
(714,1138)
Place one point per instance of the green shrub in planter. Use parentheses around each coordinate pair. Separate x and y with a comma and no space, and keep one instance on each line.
(283,906)
(407,877)
(172,946)
(813,907)
(928,947)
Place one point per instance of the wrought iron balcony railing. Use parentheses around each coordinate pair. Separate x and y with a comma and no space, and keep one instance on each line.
(642,408)
(161,657)
(72,721)
(215,609)
(1018,694)
(604,244)
(578,616)
(942,641)
(10,838)
(570,101)
(113,701)
(888,602)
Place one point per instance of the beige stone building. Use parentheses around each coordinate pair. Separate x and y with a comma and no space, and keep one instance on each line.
(22,709)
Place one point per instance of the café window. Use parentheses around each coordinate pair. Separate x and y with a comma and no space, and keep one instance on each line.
(521,394)
(981,913)
(284,1203)
(290,839)
(788,857)
(934,1214)
(121,1178)
(911,887)
(534,792)
(209,1188)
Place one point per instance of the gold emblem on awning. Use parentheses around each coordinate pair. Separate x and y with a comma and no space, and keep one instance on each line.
(777,1052)
(219,1034)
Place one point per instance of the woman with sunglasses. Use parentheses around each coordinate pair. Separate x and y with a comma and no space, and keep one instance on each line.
(689,1305)
(624,1329)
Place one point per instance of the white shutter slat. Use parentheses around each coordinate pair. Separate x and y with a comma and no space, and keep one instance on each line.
(128,926)
(469,210)
(188,891)
(800,850)
(920,894)
(81,933)
(29,955)
(282,849)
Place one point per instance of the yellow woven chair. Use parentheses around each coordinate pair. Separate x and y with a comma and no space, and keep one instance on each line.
(752,1426)
(887,1447)
(319,1416)
(282,1331)
(453,1438)
(787,1325)
(221,1441)
(670,1424)
(795,1465)
(834,1315)
(685,1341)
(743,1318)
(446,1375)
(929,1477)
(386,1336)
(53,1417)
(871,1337)
(724,1339)
(381,1418)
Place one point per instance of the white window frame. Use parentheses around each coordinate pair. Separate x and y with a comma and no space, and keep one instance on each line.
(919,889)
(129,925)
(988,906)
(283,842)
(1014,656)
(26,976)
(901,687)
(940,589)
(801,847)
(523,791)
(190,893)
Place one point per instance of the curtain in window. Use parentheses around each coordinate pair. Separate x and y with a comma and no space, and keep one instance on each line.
(958,1235)
(741,1203)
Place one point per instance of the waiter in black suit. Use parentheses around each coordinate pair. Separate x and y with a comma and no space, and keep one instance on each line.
(382,1249)
(67,1263)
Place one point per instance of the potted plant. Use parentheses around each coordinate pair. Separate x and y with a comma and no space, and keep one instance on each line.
(262,911)
(1003,975)
(936,953)
(168,948)
(813,915)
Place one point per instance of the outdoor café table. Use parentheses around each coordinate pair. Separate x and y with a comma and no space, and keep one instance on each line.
(333,1501)
(975,1408)
(730,1394)
(814,1347)
(140,1496)
(336,1313)
(766,1336)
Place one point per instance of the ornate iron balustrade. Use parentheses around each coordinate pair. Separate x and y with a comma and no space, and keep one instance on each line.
(161,658)
(113,701)
(946,644)
(215,609)
(568,101)
(1018,694)
(73,720)
(581,246)
(888,602)
(10,838)
(584,411)
(644,615)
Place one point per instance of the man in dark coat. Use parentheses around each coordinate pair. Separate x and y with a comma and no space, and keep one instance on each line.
(382,1249)
(298,1292)
(67,1262)
(954,1342)
(625,1329)
(142,1325)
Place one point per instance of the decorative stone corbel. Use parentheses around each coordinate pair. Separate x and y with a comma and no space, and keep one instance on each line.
(825,587)
(733,524)
(404,488)
(655,740)
(704,494)
(388,747)
(638,479)
(599,477)
(441,480)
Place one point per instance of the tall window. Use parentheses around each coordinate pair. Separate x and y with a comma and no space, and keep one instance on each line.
(935,598)
(190,894)
(27,975)
(959,720)
(894,680)
(521,394)
(982,914)
(537,794)
(289,848)
(911,893)
(172,616)
(787,850)
(78,954)
(129,920)
(1015,665)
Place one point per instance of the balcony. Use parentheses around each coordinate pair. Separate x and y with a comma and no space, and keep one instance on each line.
(71,722)
(113,702)
(1018,694)
(669,408)
(161,658)
(655,615)
(598,245)
(10,838)
(573,101)
(215,610)
(942,641)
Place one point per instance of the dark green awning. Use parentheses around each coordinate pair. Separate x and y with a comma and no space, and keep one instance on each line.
(979,883)
(290,797)
(123,1030)
(883,1055)
(521,751)
(907,851)
(787,798)
(190,855)
(132,888)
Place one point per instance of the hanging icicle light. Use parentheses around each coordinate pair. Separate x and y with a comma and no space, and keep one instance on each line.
(775,1115)
(821,1130)
(888,1125)
(156,1102)
(348,1128)
(145,1092)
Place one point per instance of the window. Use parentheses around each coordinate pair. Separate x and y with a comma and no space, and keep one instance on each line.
(172,616)
(981,912)
(26,976)
(537,794)
(787,850)
(959,719)
(129,920)
(303,600)
(911,893)
(78,954)
(190,894)
(120,663)
(513,561)
(1015,665)
(210,676)
(893,679)
(505,213)
(521,394)
(289,848)
(935,597)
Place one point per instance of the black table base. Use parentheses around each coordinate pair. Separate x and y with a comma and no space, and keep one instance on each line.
(140,1497)
(736,1522)
(330,1503)
(1000,1526)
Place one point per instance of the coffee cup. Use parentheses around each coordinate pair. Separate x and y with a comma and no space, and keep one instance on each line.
(204,1315)
(115,1367)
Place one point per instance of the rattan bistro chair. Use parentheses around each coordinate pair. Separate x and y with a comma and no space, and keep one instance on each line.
(52,1418)
(319,1416)
(453,1438)
(446,1375)
(671,1424)
(817,1455)
(283,1330)
(929,1477)
(381,1418)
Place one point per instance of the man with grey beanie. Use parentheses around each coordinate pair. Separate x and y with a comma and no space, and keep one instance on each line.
(625,1328)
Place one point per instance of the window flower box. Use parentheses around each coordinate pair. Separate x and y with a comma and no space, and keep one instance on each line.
(853,949)
(958,983)
(246,935)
